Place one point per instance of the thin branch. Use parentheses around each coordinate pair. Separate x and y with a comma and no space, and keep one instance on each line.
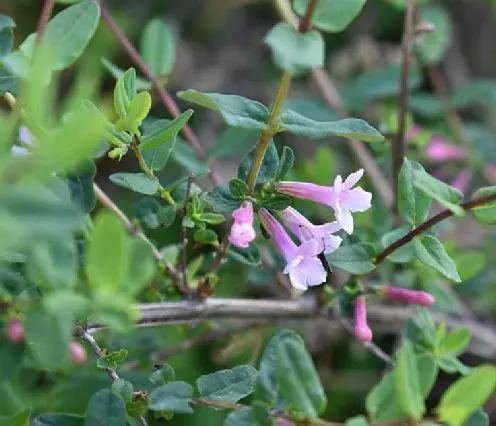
(306,21)
(381,318)
(165,97)
(398,148)
(46,13)
(429,224)
(133,230)
(331,95)
(183,264)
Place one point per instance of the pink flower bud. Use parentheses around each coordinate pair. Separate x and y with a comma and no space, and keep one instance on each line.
(412,297)
(77,353)
(462,180)
(242,231)
(362,330)
(15,331)
(440,150)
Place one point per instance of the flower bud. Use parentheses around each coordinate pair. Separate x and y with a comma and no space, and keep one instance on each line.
(242,231)
(441,150)
(362,330)
(412,297)
(77,353)
(15,331)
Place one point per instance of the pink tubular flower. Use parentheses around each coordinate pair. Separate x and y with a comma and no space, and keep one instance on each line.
(77,353)
(440,150)
(412,297)
(342,197)
(15,331)
(303,266)
(305,230)
(362,330)
(462,180)
(242,232)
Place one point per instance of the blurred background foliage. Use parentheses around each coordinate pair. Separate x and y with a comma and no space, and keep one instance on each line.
(218,48)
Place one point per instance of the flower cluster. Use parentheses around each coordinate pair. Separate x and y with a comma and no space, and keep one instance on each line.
(303,265)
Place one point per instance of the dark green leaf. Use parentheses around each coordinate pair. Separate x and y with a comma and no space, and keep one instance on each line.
(56,419)
(331,15)
(466,395)
(228,385)
(231,142)
(294,51)
(236,110)
(11,357)
(81,187)
(404,254)
(249,416)
(205,236)
(276,202)
(269,166)
(238,188)
(286,163)
(349,127)
(249,256)
(355,258)
(430,251)
(479,418)
(432,46)
(221,199)
(186,156)
(154,215)
(106,408)
(174,397)
(162,375)
(124,389)
(158,47)
(138,182)
(20,419)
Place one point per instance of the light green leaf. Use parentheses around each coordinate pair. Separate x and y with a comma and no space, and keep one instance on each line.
(158,47)
(349,128)
(293,51)
(466,395)
(125,92)
(456,341)
(331,15)
(430,251)
(140,107)
(485,213)
(56,419)
(164,131)
(407,383)
(106,408)
(297,380)
(108,254)
(211,218)
(228,385)
(116,72)
(355,258)
(236,110)
(432,46)
(20,419)
(138,182)
(173,397)
(48,334)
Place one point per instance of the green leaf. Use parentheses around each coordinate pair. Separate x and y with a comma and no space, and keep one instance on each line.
(222,200)
(479,418)
(276,202)
(173,397)
(106,408)
(357,421)
(470,263)
(235,110)
(238,188)
(349,127)
(228,385)
(249,256)
(466,395)
(430,251)
(56,419)
(331,15)
(269,167)
(11,357)
(6,34)
(48,334)
(404,254)
(158,47)
(432,46)
(186,156)
(124,389)
(112,360)
(407,383)
(232,141)
(297,380)
(162,375)
(413,204)
(355,258)
(451,365)
(108,254)
(67,34)
(138,182)
(81,187)
(205,236)
(286,163)
(456,341)
(116,72)
(165,131)
(248,416)
(293,51)
(20,419)
(125,92)
(485,213)
(435,189)
(140,107)
(211,218)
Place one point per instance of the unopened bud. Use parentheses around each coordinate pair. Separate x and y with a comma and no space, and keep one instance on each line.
(362,330)
(15,331)
(412,297)
(77,353)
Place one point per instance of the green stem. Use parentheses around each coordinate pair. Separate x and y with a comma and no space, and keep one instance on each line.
(269,132)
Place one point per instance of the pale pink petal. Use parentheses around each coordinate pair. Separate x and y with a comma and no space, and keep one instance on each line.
(331,243)
(345,219)
(338,183)
(298,279)
(353,179)
(356,200)
(308,248)
(314,271)
(293,264)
